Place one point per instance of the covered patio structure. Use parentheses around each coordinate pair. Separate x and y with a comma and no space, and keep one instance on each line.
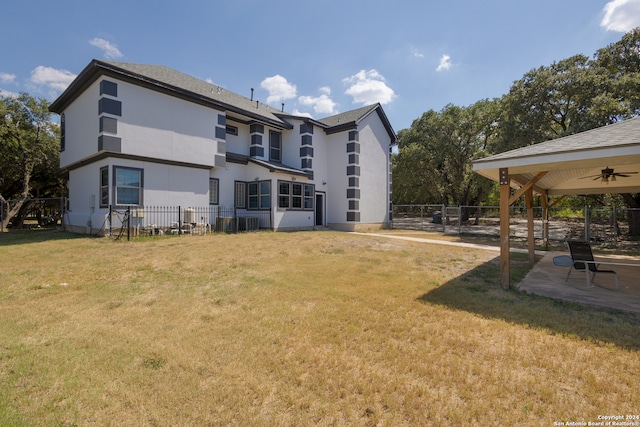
(599,161)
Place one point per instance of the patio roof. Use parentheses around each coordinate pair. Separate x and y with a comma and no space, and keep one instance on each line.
(570,159)
(563,166)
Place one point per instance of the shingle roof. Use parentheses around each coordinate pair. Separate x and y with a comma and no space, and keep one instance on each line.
(567,161)
(351,119)
(352,116)
(184,81)
(166,79)
(610,136)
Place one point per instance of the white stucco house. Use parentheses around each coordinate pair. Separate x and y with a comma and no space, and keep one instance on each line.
(135,135)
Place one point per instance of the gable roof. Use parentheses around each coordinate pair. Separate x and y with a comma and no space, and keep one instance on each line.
(568,161)
(351,119)
(608,137)
(170,81)
(175,83)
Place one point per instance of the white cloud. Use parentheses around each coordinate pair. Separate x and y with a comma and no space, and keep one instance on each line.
(297,112)
(54,79)
(416,53)
(8,94)
(621,15)
(110,51)
(7,78)
(369,87)
(279,88)
(322,104)
(445,63)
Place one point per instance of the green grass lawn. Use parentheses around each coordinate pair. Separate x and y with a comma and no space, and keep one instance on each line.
(295,329)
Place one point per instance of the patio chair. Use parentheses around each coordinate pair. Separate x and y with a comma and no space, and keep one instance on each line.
(581,251)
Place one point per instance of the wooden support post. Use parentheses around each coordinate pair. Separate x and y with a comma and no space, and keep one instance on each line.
(505,260)
(528,195)
(544,199)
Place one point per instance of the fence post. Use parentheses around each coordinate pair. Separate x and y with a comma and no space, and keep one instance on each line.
(1,216)
(443,215)
(614,224)
(110,222)
(62,206)
(234,220)
(587,224)
(128,224)
(179,221)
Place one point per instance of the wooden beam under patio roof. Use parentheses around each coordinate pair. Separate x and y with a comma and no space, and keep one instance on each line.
(572,165)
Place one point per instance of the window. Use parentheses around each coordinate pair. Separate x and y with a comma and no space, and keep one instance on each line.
(284,191)
(128,186)
(275,146)
(104,187)
(292,195)
(308,196)
(232,130)
(296,196)
(214,184)
(240,195)
(265,195)
(259,195)
(253,195)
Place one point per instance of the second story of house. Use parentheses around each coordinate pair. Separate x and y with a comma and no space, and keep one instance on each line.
(138,111)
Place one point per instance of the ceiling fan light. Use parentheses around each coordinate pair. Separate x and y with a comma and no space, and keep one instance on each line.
(604,180)
(613,178)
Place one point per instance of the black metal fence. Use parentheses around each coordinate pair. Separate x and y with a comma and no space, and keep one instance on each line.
(35,213)
(601,224)
(178,220)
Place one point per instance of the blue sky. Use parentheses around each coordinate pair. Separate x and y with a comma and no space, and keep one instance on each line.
(318,57)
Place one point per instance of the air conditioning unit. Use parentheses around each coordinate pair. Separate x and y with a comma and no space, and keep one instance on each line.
(249,223)
(189,216)
(224,224)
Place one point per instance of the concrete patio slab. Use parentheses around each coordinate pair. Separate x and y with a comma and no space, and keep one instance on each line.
(548,279)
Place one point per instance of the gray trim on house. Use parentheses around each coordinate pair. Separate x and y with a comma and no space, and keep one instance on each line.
(271,166)
(109,143)
(107,154)
(108,124)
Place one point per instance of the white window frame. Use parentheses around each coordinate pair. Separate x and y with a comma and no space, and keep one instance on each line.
(295,196)
(273,148)
(104,187)
(117,186)
(240,195)
(214,191)
(259,195)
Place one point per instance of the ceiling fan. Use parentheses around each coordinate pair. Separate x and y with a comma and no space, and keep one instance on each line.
(608,174)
